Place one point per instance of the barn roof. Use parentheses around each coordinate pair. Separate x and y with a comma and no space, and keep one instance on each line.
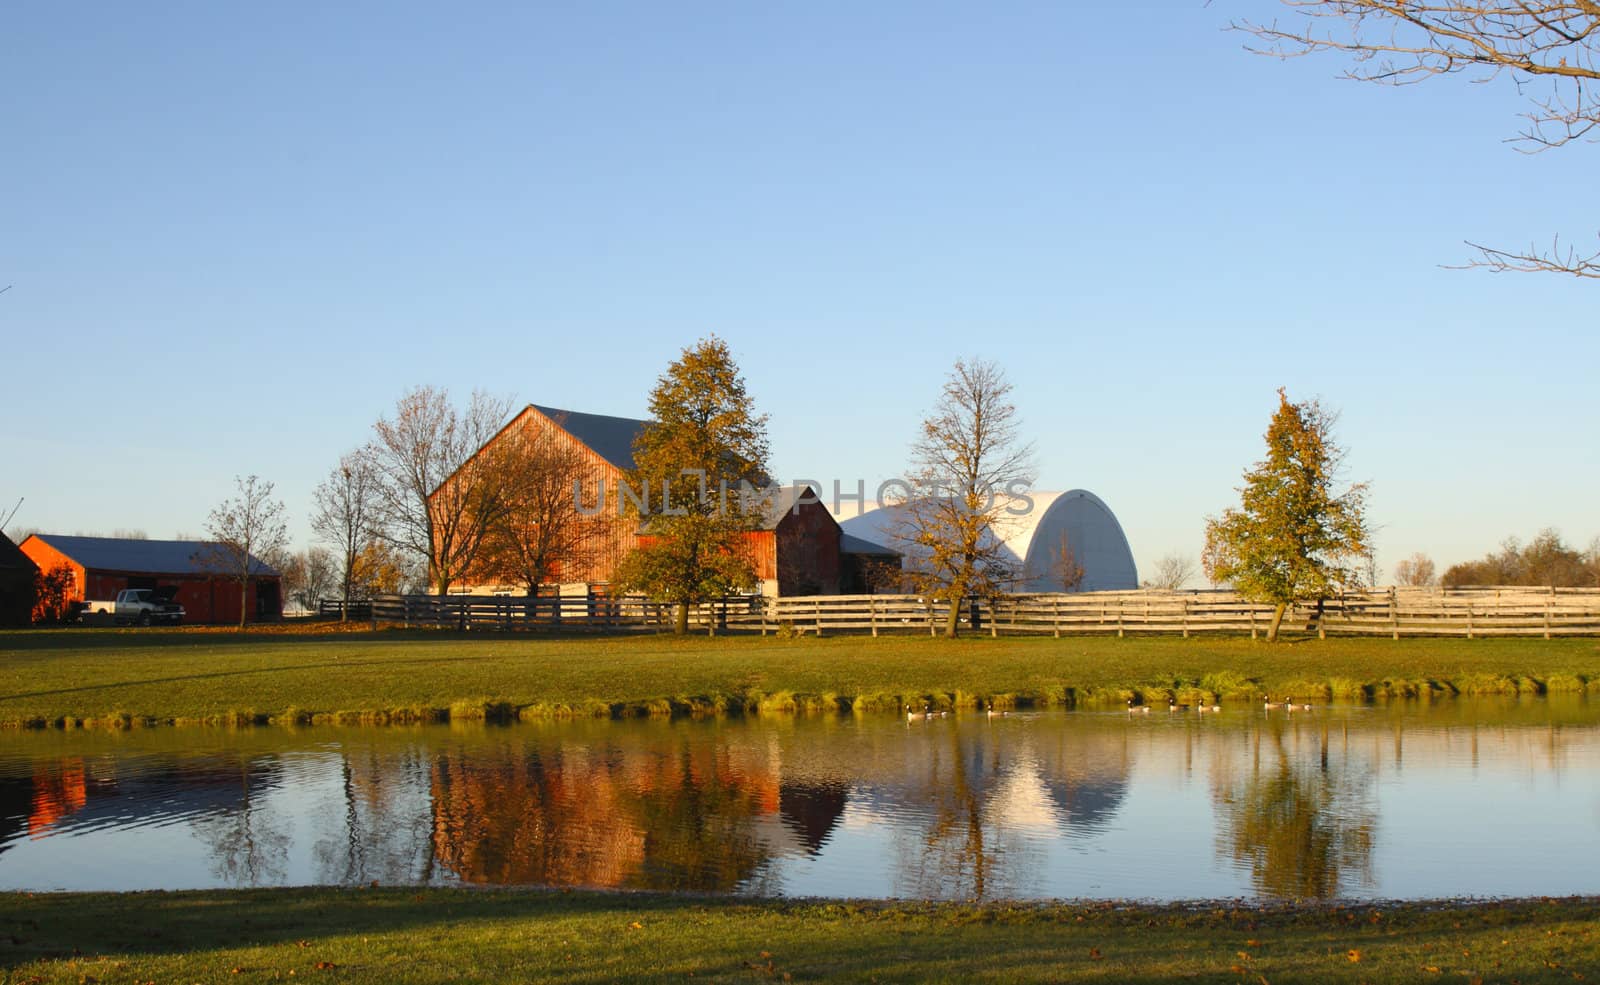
(609,437)
(156,557)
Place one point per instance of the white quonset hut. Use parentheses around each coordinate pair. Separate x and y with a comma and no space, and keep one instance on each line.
(1033,530)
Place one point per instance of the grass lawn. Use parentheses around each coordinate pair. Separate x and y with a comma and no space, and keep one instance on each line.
(190,675)
(404,936)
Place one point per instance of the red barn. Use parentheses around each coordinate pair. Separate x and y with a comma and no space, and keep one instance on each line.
(796,551)
(103,566)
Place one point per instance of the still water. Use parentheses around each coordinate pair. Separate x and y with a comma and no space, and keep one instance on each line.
(1462,797)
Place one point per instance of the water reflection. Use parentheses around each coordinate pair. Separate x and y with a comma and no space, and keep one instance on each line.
(1302,824)
(1346,802)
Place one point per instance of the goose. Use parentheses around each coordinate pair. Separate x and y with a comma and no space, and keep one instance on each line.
(1134,709)
(1269,704)
(995,714)
(1173,706)
(912,716)
(1294,707)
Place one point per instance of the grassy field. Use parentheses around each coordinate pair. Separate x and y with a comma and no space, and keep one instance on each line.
(121,677)
(412,936)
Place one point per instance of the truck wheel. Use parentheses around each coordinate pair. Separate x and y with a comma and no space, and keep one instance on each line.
(144,618)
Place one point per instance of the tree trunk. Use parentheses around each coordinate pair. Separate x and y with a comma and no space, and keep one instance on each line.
(244,596)
(680,619)
(1277,618)
(952,622)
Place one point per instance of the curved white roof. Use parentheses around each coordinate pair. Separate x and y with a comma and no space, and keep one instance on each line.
(1033,529)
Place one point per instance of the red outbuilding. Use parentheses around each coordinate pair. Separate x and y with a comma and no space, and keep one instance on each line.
(103,566)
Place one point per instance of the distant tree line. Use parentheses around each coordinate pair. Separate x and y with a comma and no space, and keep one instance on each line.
(1545,561)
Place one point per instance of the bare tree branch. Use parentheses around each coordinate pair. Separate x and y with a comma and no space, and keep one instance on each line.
(1550,50)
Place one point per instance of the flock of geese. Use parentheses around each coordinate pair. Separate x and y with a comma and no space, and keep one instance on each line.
(1173,707)
(928,712)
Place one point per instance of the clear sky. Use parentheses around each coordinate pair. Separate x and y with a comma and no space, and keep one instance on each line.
(236,233)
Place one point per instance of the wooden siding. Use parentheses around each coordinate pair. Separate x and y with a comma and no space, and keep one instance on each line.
(612,537)
(205,598)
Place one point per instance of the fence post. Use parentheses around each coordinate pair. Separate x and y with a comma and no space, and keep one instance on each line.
(817,615)
(872,610)
(994,618)
(1547,604)
(1119,619)
(1055,616)
(763,605)
(1186,618)
(1252,611)
(931,631)
(1394,615)
(1469,620)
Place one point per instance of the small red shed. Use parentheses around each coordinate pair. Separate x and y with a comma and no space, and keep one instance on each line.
(103,566)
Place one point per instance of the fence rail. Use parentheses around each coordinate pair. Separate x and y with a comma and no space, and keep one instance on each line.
(1395,612)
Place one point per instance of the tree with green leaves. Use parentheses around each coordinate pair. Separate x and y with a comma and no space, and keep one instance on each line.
(1293,538)
(694,463)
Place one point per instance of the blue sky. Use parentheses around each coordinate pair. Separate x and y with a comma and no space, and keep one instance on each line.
(237,233)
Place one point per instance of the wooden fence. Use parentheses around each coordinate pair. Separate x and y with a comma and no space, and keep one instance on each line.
(1394,612)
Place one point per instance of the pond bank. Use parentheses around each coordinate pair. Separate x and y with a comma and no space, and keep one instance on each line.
(434,935)
(95,678)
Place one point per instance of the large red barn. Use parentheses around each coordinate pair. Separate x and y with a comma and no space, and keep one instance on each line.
(103,566)
(797,550)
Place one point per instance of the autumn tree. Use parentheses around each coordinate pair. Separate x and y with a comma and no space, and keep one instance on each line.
(242,529)
(53,592)
(967,464)
(538,530)
(345,513)
(436,497)
(1416,571)
(1172,572)
(1549,50)
(704,446)
(307,576)
(1293,537)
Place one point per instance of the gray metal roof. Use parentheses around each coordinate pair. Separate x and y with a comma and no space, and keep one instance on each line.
(849,544)
(609,437)
(155,557)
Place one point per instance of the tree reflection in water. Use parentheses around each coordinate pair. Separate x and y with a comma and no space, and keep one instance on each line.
(670,816)
(1300,821)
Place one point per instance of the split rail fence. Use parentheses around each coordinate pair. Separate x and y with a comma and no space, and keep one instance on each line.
(1470,612)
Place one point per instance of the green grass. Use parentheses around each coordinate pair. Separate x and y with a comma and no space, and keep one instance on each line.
(414,936)
(135,677)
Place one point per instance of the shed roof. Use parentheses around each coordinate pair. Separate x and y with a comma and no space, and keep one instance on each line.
(609,437)
(156,557)
(851,544)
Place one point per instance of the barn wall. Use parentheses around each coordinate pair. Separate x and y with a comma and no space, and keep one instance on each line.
(48,559)
(204,599)
(612,537)
(807,547)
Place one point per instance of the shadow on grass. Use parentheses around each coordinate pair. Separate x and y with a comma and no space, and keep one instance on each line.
(439,934)
(432,661)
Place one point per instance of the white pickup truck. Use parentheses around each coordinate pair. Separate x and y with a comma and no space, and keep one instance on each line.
(140,606)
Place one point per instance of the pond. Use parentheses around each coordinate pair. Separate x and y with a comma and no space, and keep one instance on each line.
(1406,800)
